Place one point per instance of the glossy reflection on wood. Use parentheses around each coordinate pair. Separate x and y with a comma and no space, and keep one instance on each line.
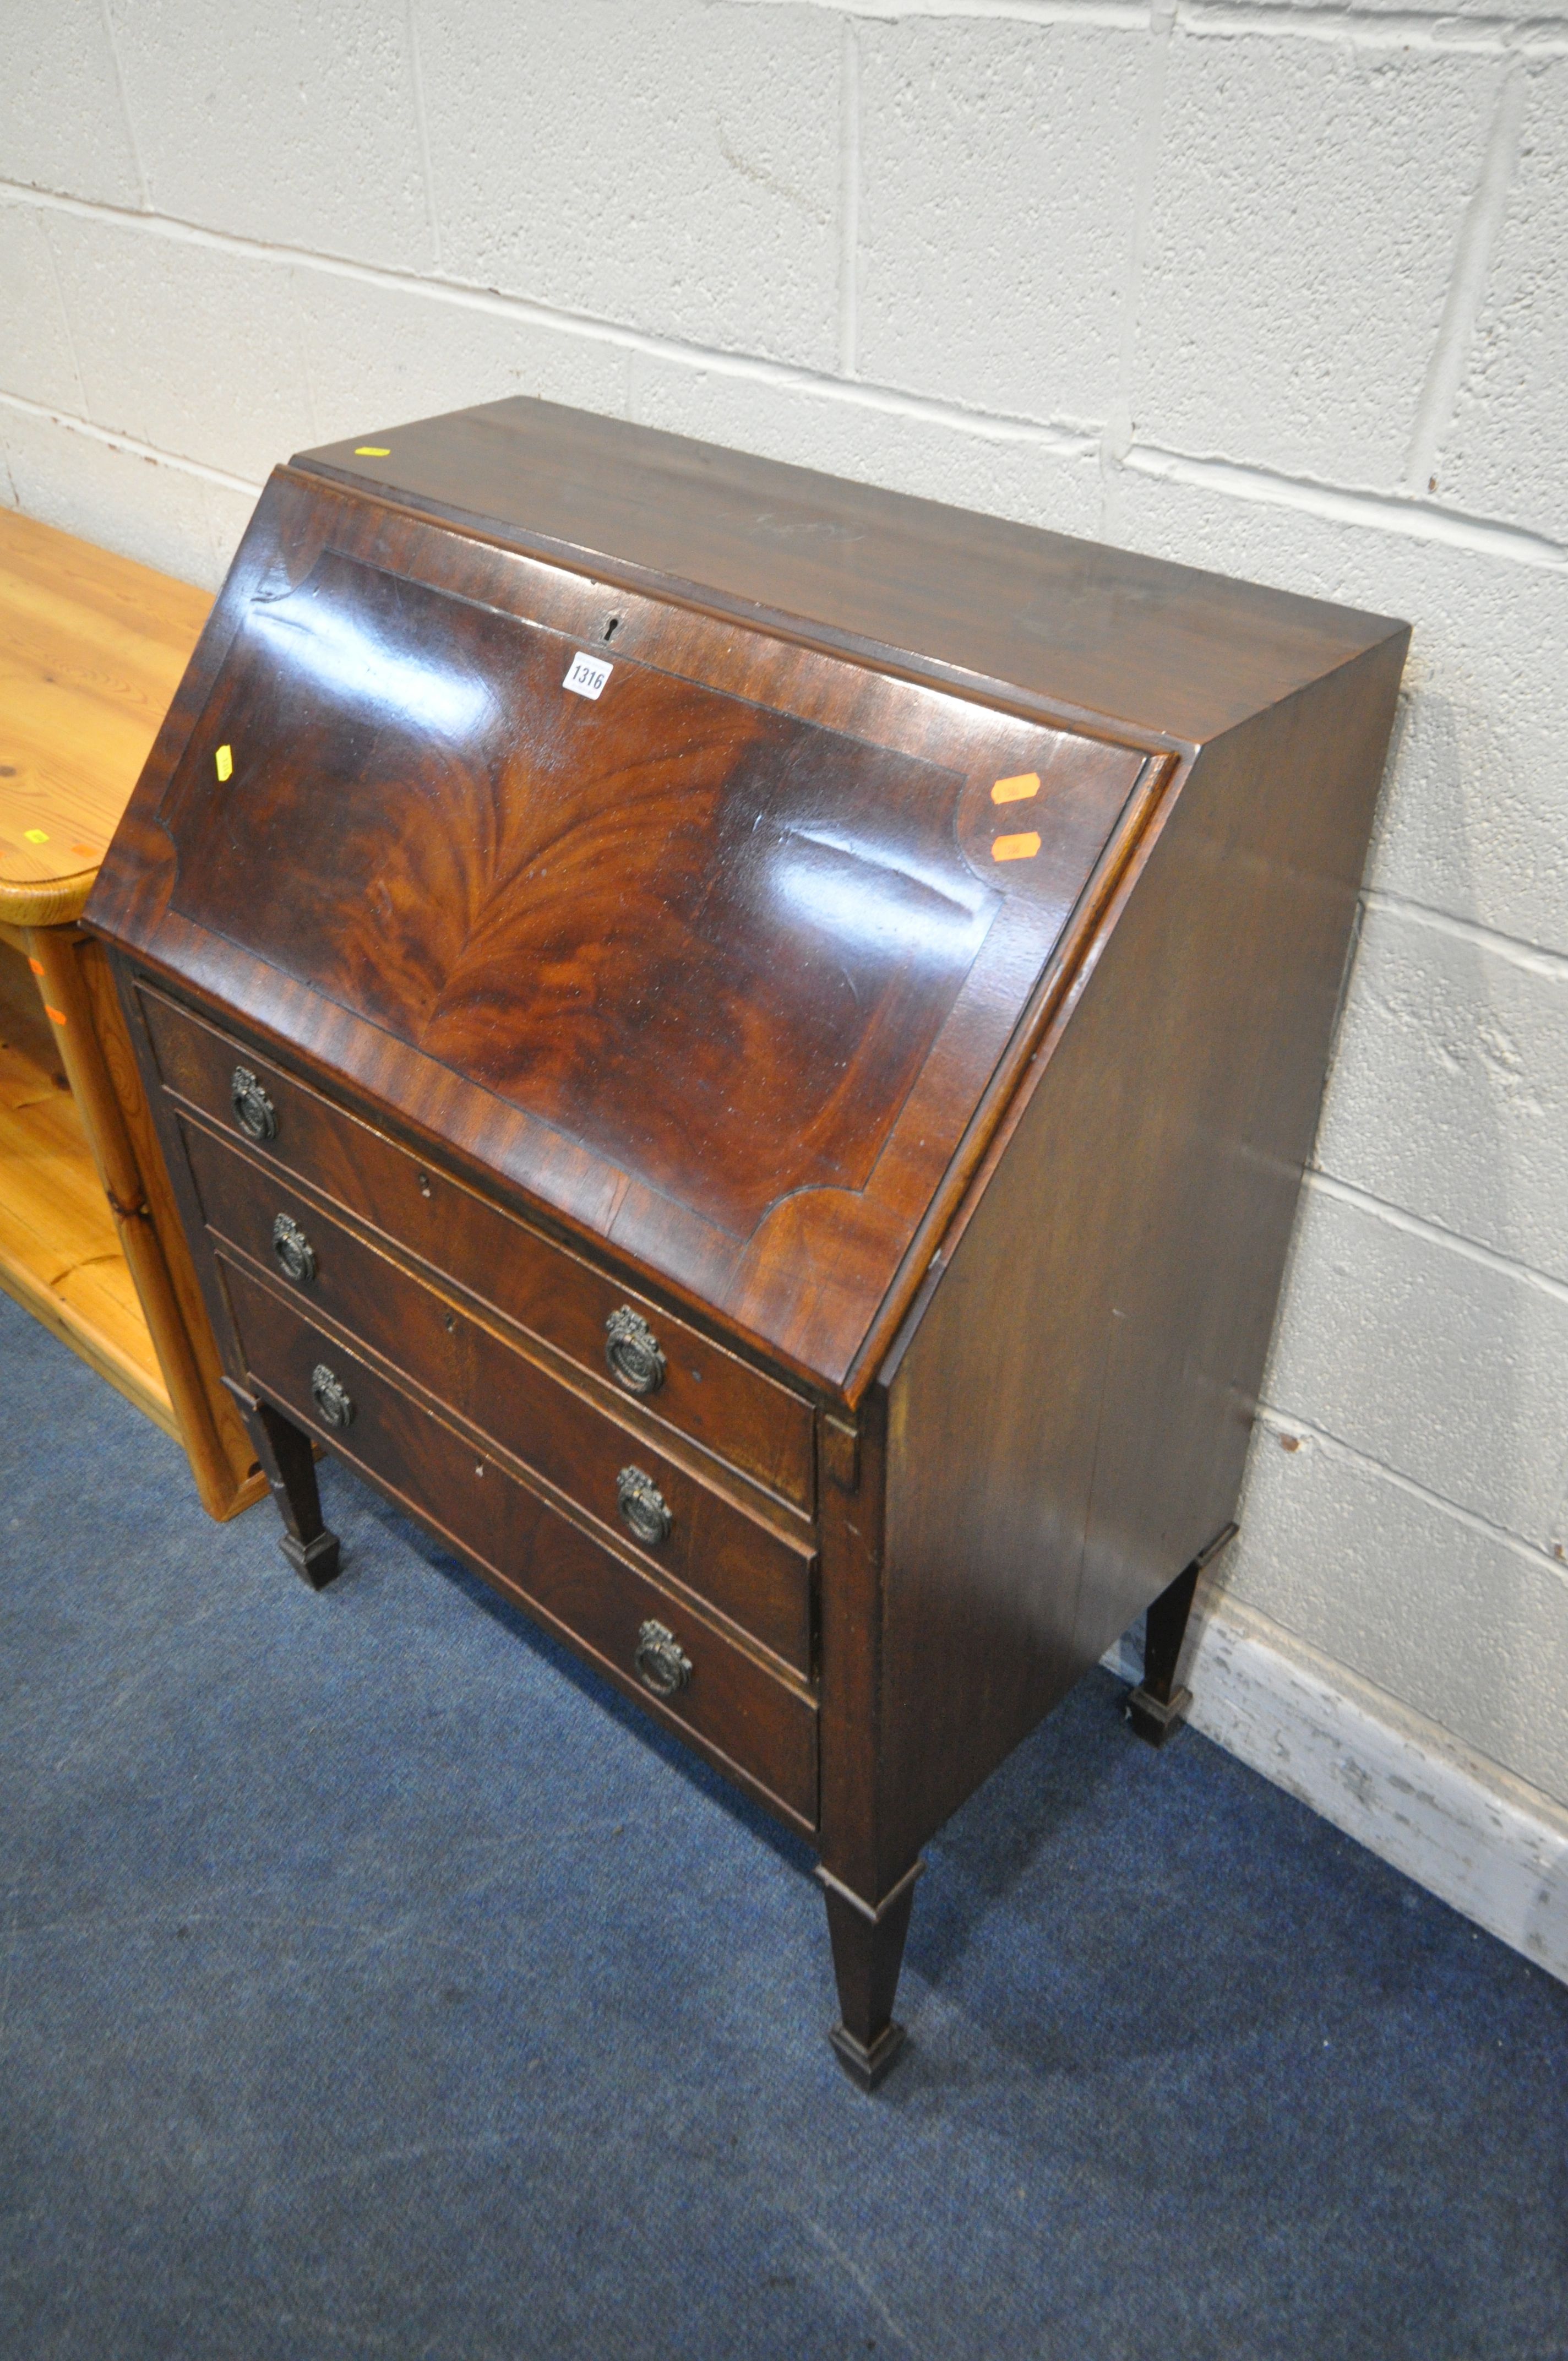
(745,1047)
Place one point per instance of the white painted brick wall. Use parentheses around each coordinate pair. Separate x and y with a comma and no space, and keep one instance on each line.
(1502,454)
(997,183)
(1271,288)
(1305,211)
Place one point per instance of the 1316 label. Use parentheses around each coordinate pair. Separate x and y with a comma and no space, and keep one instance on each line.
(585,676)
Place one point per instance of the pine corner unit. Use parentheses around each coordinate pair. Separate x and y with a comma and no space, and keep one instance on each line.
(744,1046)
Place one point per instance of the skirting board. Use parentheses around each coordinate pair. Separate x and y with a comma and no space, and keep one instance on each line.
(1483,1841)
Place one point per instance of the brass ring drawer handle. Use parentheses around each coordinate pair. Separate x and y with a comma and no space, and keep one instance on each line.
(331,1398)
(643,1506)
(253,1110)
(662,1664)
(632,1352)
(296,1256)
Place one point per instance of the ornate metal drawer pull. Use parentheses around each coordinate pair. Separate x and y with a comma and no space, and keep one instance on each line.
(632,1352)
(253,1110)
(643,1506)
(330,1399)
(294,1251)
(662,1664)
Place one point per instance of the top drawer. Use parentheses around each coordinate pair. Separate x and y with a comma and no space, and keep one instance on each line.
(681,1379)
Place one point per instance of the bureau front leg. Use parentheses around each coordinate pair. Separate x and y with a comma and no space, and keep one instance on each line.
(868,1951)
(1158,1707)
(288,1462)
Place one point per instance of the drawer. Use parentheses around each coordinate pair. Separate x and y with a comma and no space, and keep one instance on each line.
(745,1417)
(753,1720)
(747,1568)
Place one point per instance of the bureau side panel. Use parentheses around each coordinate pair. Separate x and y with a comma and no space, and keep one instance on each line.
(1066,1428)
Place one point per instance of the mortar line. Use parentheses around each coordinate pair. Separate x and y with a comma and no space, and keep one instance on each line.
(849,201)
(108,24)
(1289,19)
(1369,28)
(64,314)
(1467,283)
(1073,440)
(416,69)
(1417,1225)
(1117,434)
(1531,957)
(1396,512)
(1278,1422)
(138,449)
(1390,512)
(1127,14)
(297,313)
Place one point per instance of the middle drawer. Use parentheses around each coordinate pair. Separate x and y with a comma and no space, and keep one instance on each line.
(684,1528)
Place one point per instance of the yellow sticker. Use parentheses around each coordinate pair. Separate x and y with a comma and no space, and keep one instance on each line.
(372,450)
(36,835)
(1016,791)
(1015,848)
(225,761)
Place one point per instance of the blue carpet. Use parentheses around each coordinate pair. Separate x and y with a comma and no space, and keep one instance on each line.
(376,1982)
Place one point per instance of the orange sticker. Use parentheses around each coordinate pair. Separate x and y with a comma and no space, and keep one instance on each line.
(58,1015)
(36,966)
(1015,848)
(372,450)
(1018,790)
(88,852)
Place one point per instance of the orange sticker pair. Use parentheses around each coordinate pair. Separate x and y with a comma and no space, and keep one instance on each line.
(1018,790)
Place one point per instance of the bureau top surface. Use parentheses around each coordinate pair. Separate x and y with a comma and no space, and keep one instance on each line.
(722,947)
(1134,639)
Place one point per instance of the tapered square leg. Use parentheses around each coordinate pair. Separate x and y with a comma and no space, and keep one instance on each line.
(868,1953)
(289,1464)
(1158,1707)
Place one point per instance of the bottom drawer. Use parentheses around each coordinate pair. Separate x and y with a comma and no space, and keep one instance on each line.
(741,1713)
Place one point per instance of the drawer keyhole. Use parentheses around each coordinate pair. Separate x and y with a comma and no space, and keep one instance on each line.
(296,1256)
(253,1110)
(643,1506)
(633,1351)
(662,1664)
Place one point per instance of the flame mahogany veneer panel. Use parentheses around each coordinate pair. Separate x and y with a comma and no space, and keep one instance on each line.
(715,966)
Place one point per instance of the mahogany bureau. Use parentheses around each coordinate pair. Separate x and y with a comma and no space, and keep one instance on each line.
(744,1047)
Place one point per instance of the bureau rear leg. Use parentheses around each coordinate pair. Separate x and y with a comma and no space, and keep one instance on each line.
(289,1464)
(868,1952)
(1156,1707)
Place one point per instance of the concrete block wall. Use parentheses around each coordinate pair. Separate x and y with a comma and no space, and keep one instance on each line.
(1269,288)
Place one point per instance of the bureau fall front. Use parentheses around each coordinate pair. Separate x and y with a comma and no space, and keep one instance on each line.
(744,1046)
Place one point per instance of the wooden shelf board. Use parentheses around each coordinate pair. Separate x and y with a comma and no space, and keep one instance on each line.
(60,1252)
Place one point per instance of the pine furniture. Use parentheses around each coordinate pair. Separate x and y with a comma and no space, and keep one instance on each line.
(91,648)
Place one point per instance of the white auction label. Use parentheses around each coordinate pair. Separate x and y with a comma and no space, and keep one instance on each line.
(585,676)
